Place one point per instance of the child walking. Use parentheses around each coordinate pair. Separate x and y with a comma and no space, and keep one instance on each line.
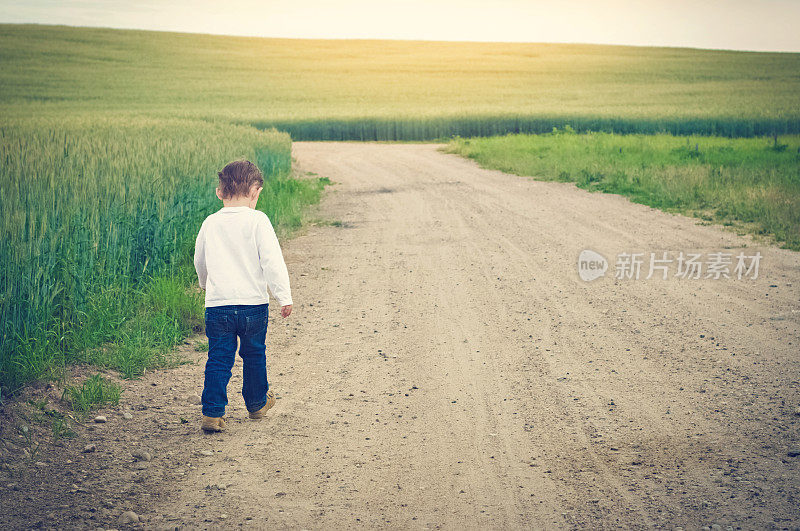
(237,257)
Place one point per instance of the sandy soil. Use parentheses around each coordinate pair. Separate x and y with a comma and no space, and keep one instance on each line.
(446,367)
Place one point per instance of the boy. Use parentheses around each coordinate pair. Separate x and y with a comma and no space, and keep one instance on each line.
(237,257)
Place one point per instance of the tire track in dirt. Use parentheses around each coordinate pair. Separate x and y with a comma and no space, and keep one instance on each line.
(515,262)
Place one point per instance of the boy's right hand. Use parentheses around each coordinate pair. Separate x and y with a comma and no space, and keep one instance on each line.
(286,311)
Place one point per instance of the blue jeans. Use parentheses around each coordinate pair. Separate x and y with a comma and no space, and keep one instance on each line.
(223,325)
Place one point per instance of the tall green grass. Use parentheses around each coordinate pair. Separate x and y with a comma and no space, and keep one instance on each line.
(97,225)
(752,182)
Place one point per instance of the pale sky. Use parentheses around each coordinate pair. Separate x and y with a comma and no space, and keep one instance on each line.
(767,25)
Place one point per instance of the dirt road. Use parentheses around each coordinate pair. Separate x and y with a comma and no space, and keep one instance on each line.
(446,367)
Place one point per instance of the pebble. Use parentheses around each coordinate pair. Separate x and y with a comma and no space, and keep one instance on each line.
(89,448)
(127,415)
(793,452)
(141,455)
(195,399)
(206,453)
(100,419)
(128,517)
(797,411)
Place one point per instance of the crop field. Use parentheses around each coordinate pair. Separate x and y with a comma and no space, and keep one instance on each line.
(397,90)
(98,219)
(750,182)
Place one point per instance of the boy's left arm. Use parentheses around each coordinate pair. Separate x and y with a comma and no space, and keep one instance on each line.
(273,265)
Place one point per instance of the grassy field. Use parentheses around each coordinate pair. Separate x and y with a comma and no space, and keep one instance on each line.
(98,219)
(753,183)
(396,90)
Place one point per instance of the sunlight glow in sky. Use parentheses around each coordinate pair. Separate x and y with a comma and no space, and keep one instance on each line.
(726,24)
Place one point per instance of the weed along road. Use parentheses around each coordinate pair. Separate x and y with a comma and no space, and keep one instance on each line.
(446,365)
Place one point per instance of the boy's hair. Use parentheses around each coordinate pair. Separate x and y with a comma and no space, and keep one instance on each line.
(237,178)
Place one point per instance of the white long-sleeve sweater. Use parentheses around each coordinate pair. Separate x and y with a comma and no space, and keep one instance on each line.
(237,257)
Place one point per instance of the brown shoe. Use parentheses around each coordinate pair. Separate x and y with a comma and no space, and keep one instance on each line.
(212,424)
(270,402)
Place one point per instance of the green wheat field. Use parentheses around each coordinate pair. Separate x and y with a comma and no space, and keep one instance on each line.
(110,141)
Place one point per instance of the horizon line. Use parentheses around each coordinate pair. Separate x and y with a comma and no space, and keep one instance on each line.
(396,39)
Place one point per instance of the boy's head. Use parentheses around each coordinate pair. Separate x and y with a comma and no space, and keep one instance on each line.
(239,179)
